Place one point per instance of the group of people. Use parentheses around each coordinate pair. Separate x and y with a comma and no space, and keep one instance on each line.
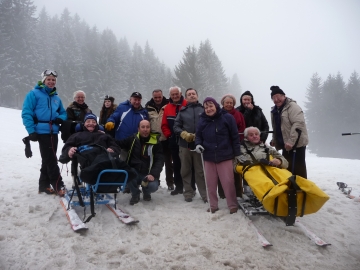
(197,142)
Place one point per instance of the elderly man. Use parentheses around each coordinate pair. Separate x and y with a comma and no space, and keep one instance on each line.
(126,117)
(185,127)
(287,117)
(155,108)
(146,157)
(176,101)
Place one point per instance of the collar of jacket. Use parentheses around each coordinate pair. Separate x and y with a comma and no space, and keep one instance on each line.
(193,104)
(42,87)
(151,103)
(153,138)
(179,103)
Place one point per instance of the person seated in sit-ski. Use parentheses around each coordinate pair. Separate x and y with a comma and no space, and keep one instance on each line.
(260,151)
(90,135)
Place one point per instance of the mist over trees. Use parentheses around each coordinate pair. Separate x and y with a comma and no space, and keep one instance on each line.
(93,61)
(332,108)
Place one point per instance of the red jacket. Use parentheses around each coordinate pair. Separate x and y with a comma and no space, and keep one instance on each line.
(170,112)
(240,122)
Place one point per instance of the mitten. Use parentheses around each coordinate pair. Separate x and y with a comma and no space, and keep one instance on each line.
(33,137)
(109,126)
(189,137)
(28,152)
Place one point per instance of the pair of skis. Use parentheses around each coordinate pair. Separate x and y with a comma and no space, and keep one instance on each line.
(78,225)
(252,211)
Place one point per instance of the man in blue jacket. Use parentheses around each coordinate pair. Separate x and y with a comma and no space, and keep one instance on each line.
(42,114)
(127,117)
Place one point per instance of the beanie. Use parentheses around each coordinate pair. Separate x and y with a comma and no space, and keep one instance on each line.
(276,90)
(247,93)
(107,97)
(210,99)
(90,116)
(229,96)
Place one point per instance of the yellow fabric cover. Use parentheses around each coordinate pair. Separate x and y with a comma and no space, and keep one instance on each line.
(260,184)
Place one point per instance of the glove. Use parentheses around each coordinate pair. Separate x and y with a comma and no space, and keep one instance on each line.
(189,137)
(58,121)
(28,152)
(33,137)
(145,182)
(199,149)
(109,126)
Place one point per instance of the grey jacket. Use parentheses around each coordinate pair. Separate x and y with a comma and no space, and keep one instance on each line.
(292,117)
(187,120)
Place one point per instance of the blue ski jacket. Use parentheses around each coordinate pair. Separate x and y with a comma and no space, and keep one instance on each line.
(126,119)
(42,105)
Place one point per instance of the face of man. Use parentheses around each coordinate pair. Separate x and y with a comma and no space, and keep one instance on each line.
(191,96)
(158,97)
(50,81)
(175,95)
(209,108)
(253,136)
(246,100)
(144,128)
(278,99)
(135,102)
(90,124)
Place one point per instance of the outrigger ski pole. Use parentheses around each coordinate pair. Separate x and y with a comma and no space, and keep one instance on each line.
(354,133)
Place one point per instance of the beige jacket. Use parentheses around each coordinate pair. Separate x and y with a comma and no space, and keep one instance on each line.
(292,118)
(155,120)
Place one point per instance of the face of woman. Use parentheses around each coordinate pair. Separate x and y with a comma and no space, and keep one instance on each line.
(107,103)
(228,104)
(90,125)
(80,98)
(50,81)
(209,108)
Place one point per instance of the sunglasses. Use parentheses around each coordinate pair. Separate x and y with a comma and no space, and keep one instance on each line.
(49,72)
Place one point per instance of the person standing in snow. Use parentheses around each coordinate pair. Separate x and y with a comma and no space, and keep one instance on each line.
(107,109)
(286,118)
(42,114)
(217,137)
(77,109)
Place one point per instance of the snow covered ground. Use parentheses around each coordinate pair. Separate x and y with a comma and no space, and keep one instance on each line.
(171,234)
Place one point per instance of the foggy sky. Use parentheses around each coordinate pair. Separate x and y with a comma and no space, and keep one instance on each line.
(265,42)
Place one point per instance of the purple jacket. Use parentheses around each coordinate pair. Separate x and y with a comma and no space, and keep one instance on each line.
(219,136)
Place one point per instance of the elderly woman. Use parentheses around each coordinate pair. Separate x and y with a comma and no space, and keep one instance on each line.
(78,108)
(107,109)
(218,139)
(42,113)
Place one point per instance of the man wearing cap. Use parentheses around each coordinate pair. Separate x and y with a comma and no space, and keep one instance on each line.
(286,118)
(185,127)
(126,117)
(155,108)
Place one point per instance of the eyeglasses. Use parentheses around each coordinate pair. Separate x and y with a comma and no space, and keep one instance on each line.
(49,72)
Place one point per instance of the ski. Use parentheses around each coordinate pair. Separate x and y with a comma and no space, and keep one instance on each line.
(263,241)
(75,222)
(313,237)
(122,216)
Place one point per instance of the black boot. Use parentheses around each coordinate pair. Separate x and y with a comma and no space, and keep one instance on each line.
(134,199)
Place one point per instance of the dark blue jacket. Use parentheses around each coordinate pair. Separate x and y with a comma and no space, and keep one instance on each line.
(42,105)
(219,136)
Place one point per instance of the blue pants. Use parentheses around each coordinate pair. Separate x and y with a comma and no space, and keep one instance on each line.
(135,182)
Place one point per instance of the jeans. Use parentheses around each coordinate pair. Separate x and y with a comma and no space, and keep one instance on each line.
(135,182)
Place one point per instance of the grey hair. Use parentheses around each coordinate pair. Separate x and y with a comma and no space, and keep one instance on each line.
(246,131)
(175,87)
(77,92)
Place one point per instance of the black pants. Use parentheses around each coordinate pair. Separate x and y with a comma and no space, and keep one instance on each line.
(49,172)
(174,148)
(299,162)
(169,170)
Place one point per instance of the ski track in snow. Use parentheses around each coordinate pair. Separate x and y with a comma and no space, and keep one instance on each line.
(171,234)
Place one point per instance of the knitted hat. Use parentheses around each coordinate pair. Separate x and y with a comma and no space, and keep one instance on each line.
(247,93)
(107,97)
(90,116)
(229,96)
(276,90)
(210,99)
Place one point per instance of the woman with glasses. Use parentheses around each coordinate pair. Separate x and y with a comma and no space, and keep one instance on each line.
(107,109)
(42,114)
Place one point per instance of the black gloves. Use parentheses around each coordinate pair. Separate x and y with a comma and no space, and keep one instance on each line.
(28,152)
(33,137)
(58,121)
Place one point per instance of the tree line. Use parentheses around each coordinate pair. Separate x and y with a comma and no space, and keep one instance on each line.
(93,61)
(332,108)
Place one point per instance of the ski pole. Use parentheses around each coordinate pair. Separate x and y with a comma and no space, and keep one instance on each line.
(354,133)
(294,150)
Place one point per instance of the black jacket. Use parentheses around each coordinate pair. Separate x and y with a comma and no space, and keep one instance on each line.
(255,118)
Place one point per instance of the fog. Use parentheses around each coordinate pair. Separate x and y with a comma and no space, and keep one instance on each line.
(265,42)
